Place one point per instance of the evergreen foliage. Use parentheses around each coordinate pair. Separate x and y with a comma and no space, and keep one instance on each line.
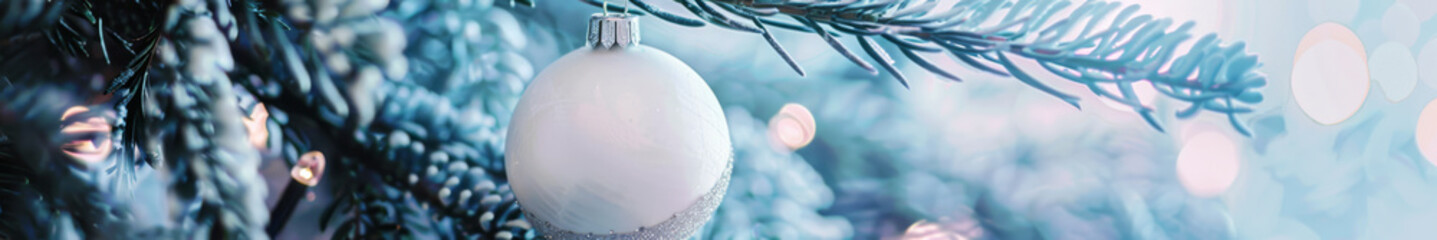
(410,100)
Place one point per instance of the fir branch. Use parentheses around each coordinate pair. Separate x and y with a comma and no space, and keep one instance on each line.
(981,33)
(205,148)
(455,184)
(409,152)
(18,220)
(44,194)
(21,16)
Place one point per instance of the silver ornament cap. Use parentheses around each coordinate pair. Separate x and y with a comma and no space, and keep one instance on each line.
(613,31)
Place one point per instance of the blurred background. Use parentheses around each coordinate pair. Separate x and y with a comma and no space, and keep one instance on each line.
(1343,147)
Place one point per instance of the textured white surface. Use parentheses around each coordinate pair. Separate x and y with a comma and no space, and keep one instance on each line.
(613,140)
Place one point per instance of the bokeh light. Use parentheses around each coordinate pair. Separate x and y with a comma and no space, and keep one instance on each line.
(1333,10)
(85,138)
(1208,164)
(1424,9)
(793,126)
(1395,70)
(1427,132)
(1401,24)
(1329,76)
(943,230)
(1427,64)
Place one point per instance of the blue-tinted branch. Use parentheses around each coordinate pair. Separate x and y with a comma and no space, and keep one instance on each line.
(1098,42)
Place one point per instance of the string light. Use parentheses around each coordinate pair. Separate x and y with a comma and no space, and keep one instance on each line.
(257,126)
(305,173)
(309,169)
(86,139)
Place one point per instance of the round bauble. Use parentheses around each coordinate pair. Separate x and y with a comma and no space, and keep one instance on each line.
(621,142)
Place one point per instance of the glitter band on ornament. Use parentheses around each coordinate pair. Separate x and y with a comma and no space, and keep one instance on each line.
(681,226)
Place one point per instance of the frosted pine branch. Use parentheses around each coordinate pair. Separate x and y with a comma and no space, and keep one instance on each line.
(1097,44)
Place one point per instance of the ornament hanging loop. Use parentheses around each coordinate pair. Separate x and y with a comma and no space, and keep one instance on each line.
(613,31)
(606,7)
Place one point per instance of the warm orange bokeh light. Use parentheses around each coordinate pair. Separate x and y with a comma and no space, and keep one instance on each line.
(309,169)
(257,126)
(87,140)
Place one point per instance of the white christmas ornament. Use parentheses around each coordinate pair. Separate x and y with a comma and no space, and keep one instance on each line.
(618,140)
